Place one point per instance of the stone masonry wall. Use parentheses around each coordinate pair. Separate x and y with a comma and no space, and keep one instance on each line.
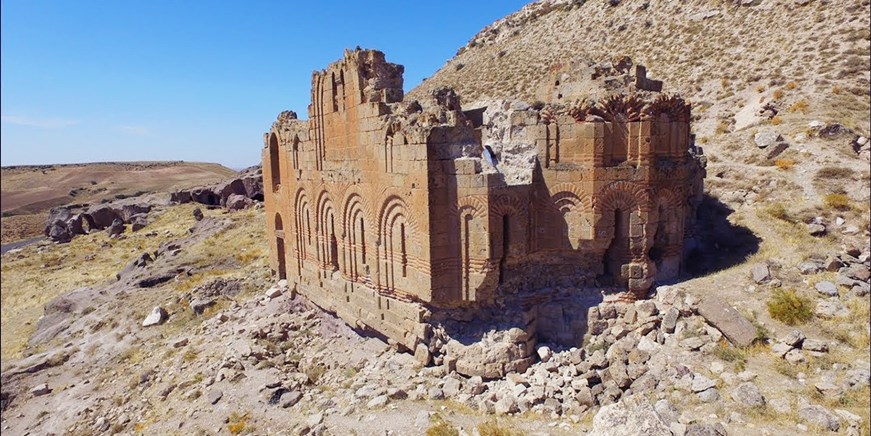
(412,219)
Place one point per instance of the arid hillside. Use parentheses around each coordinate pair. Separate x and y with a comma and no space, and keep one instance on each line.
(706,50)
(30,191)
(181,327)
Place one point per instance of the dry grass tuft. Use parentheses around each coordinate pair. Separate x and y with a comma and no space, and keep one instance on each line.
(784,164)
(492,428)
(799,106)
(786,306)
(839,202)
(441,427)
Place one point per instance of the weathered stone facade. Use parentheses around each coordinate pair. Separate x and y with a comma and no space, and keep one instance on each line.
(441,228)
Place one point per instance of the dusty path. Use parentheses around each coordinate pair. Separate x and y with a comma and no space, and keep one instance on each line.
(19,244)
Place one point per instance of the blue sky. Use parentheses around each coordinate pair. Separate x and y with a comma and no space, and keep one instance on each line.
(86,81)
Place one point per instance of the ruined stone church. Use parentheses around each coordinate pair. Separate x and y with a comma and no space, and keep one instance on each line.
(442,227)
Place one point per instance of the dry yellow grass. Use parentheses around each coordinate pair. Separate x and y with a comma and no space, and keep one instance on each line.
(784,164)
(31,279)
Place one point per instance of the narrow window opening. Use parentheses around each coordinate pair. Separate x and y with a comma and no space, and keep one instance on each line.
(334,246)
(363,240)
(506,232)
(402,250)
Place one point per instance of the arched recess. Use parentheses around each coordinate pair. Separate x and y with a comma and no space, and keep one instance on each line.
(274,161)
(573,218)
(279,247)
(508,230)
(668,230)
(356,256)
(393,237)
(474,245)
(569,212)
(623,208)
(328,244)
(302,221)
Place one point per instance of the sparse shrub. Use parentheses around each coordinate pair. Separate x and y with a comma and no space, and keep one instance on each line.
(838,202)
(786,306)
(441,427)
(237,423)
(837,89)
(776,120)
(778,211)
(315,372)
(728,353)
(760,88)
(778,93)
(492,428)
(784,164)
(722,127)
(799,106)
(190,355)
(791,85)
(833,173)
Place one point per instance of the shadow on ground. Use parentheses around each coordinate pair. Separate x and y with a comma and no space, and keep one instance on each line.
(720,243)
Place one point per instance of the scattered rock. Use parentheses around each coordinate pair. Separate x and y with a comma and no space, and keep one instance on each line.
(827,288)
(726,319)
(215,395)
(748,395)
(379,401)
(201,304)
(815,345)
(831,309)
(794,338)
(819,416)
(794,356)
(506,405)
(709,395)
(544,353)
(766,138)
(760,273)
(273,292)
(669,320)
(702,383)
(157,316)
(290,398)
(198,214)
(630,416)
(816,229)
(810,267)
(41,389)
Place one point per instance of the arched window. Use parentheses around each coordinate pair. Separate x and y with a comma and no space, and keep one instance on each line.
(279,247)
(335,93)
(274,163)
(295,151)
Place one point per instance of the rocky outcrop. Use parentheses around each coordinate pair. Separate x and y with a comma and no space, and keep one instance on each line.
(236,193)
(65,222)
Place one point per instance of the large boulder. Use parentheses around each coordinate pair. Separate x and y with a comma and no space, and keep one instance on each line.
(116,228)
(248,183)
(726,319)
(103,215)
(238,202)
(58,232)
